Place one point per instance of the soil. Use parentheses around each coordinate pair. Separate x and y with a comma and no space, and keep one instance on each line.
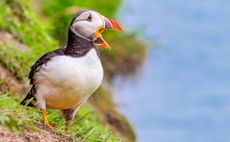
(27,136)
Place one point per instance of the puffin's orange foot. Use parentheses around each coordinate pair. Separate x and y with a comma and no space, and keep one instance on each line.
(49,126)
(68,124)
(45,120)
(46,123)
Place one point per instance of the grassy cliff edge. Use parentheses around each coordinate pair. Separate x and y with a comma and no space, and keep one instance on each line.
(24,38)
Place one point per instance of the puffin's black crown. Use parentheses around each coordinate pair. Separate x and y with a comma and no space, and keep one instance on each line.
(77,14)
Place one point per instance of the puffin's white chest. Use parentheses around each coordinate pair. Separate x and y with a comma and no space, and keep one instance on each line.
(65,81)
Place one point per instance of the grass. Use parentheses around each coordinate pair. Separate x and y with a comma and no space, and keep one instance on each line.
(86,127)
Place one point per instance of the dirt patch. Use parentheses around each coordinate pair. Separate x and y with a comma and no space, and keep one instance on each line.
(27,136)
(7,136)
(7,38)
(9,80)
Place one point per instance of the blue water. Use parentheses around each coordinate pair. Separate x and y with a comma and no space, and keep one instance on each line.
(182,93)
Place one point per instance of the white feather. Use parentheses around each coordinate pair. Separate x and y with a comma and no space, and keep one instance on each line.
(67,82)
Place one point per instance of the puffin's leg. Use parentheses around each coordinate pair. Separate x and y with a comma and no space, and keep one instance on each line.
(42,105)
(45,120)
(69,114)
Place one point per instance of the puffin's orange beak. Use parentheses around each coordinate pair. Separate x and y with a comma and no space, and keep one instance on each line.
(110,25)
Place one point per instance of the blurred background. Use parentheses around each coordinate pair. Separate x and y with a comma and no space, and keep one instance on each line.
(166,79)
(182,93)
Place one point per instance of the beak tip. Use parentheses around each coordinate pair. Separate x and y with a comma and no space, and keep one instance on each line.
(119,28)
(112,24)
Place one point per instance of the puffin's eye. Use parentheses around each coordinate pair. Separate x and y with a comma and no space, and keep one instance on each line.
(89,18)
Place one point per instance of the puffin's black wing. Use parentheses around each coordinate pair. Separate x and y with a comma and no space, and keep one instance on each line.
(35,68)
(29,97)
(43,60)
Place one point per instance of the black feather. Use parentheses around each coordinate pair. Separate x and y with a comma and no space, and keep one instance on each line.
(28,100)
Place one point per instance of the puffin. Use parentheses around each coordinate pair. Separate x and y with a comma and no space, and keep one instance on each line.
(65,78)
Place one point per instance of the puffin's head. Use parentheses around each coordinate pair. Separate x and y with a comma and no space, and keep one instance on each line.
(90,24)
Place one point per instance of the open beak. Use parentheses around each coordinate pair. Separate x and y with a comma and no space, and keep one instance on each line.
(110,25)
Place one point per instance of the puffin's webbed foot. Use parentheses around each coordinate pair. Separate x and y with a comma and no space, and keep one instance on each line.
(45,120)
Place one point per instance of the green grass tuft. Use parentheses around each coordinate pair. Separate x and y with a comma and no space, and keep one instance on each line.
(85,126)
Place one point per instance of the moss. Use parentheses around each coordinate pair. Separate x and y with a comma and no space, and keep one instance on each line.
(15,62)
(27,30)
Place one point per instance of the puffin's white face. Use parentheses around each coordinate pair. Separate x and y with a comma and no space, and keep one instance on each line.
(90,25)
(87,23)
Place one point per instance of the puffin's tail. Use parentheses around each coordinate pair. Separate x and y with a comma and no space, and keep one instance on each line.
(28,100)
